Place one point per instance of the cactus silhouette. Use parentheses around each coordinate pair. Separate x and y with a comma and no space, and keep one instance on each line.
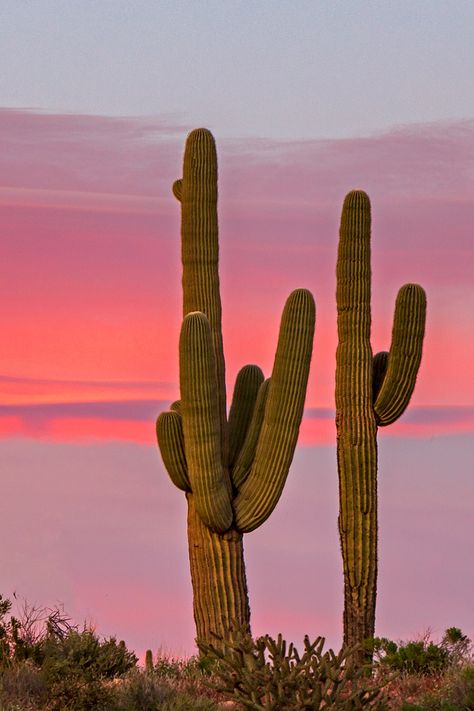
(371,392)
(232,469)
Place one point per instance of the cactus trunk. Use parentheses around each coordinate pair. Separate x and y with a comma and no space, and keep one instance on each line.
(356,427)
(220,596)
(370,392)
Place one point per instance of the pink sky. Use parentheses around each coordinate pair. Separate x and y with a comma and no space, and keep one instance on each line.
(90,288)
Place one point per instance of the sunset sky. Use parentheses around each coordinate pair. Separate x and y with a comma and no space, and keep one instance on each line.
(306,101)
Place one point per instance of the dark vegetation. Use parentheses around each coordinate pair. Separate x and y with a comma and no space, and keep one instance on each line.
(47,663)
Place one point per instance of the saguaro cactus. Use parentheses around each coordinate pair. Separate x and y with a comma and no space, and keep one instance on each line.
(371,392)
(232,469)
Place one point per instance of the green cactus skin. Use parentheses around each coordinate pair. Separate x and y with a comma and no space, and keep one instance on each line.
(370,392)
(232,470)
(149,666)
(246,390)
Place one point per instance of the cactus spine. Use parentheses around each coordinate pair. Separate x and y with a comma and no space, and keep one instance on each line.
(232,470)
(370,392)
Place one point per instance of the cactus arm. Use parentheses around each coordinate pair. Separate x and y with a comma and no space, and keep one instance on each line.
(197,192)
(405,354)
(169,431)
(178,189)
(176,406)
(247,453)
(379,368)
(247,385)
(260,492)
(201,423)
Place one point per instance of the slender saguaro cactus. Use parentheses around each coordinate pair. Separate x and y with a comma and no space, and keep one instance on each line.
(371,392)
(232,469)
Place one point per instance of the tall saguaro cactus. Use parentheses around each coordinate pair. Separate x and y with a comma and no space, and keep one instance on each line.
(232,469)
(371,392)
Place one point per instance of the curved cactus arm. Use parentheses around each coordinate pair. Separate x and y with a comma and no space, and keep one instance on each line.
(260,492)
(247,452)
(176,406)
(169,431)
(200,248)
(247,384)
(379,368)
(405,354)
(178,189)
(201,423)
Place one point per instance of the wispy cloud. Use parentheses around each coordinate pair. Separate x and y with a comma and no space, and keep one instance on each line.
(437,415)
(419,415)
(90,235)
(117,203)
(31,392)
(137,410)
(133,420)
(111,384)
(81,153)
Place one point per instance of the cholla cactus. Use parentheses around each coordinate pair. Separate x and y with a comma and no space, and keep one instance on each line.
(232,469)
(371,392)
(269,674)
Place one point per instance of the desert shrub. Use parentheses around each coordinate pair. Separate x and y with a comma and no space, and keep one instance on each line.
(148,692)
(432,676)
(76,664)
(6,632)
(14,644)
(167,667)
(22,687)
(47,638)
(179,684)
(459,645)
(22,637)
(178,671)
(412,657)
(94,657)
(422,656)
(453,691)
(140,691)
(270,674)
(74,693)
(44,658)
(84,651)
